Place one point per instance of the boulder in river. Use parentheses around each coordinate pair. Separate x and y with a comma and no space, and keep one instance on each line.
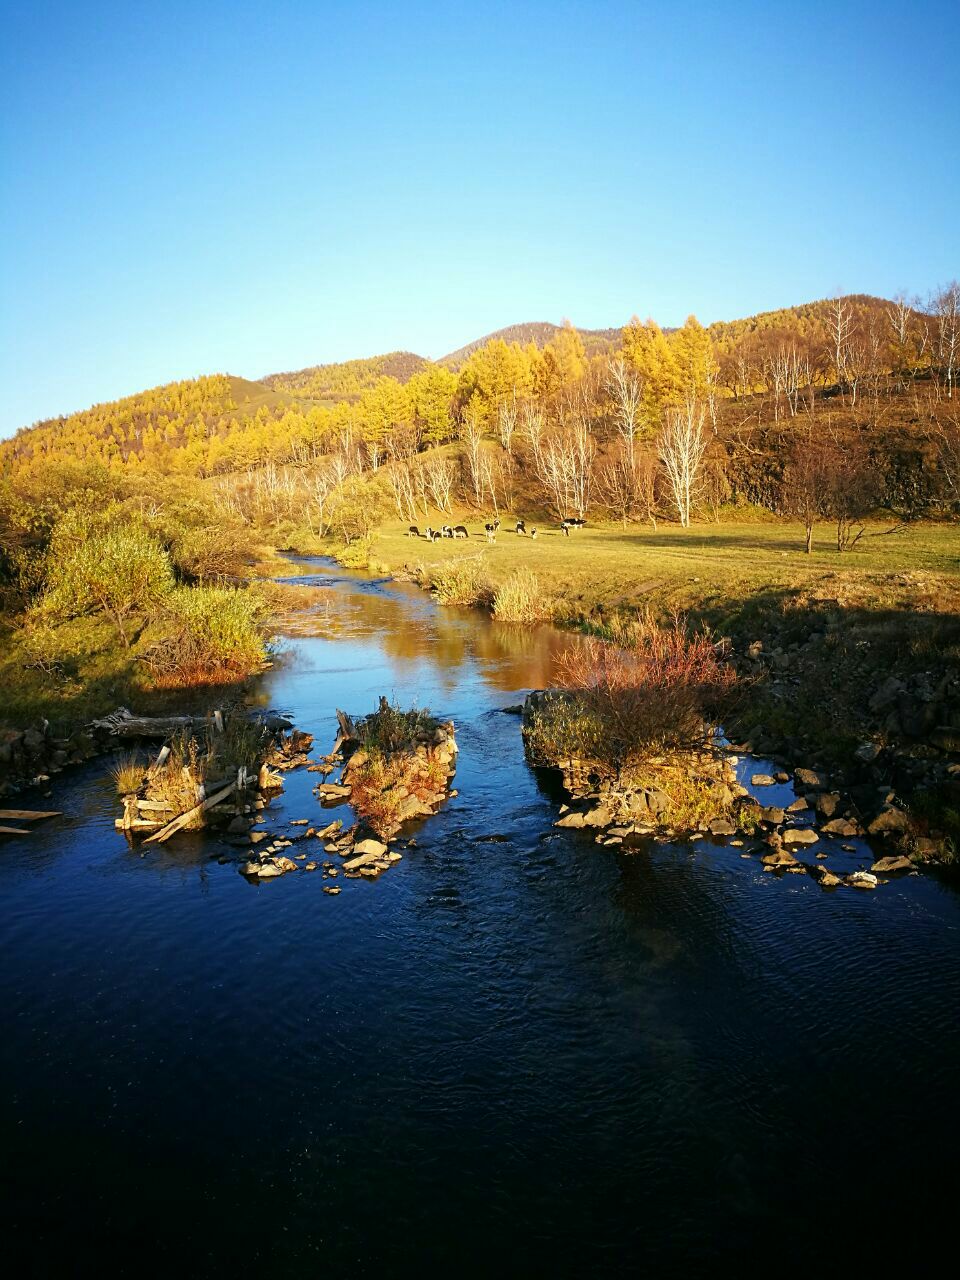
(891,863)
(800,835)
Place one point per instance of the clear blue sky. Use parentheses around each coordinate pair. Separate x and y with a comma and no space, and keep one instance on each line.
(192,188)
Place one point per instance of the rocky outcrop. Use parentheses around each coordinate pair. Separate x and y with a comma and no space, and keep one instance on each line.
(32,756)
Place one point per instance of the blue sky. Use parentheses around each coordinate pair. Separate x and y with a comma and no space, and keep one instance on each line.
(193,188)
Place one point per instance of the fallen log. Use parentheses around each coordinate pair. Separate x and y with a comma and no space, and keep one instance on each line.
(13,831)
(173,827)
(122,723)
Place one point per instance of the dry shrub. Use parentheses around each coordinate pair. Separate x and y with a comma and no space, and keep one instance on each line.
(381,786)
(176,784)
(128,773)
(625,706)
(207,635)
(520,598)
(390,728)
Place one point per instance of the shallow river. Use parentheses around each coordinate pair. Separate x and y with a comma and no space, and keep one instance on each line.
(534,1057)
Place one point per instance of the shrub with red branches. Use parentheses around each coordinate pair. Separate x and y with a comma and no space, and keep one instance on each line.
(626,705)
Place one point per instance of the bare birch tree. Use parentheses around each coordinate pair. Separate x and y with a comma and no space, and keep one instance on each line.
(682,445)
(626,391)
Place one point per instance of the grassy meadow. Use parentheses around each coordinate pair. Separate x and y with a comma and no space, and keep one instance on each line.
(712,569)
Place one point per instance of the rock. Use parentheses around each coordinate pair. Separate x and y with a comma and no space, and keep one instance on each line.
(893,863)
(311,866)
(886,696)
(237,826)
(826,803)
(809,778)
(266,870)
(332,889)
(889,821)
(780,776)
(250,868)
(799,805)
(826,878)
(772,814)
(285,864)
(33,741)
(332,791)
(861,880)
(598,816)
(393,856)
(841,827)
(369,845)
(780,858)
(722,827)
(365,860)
(800,835)
(762,780)
(867,752)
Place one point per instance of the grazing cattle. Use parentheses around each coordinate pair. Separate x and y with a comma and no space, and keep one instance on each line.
(533,533)
(574,522)
(446,531)
(564,525)
(432,535)
(413,532)
(491,529)
(460,531)
(521,527)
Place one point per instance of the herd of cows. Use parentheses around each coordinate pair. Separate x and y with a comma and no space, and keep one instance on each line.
(491,529)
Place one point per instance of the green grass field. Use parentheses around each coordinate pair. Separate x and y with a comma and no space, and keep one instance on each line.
(708,568)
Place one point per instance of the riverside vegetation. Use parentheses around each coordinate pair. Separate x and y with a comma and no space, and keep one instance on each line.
(790,481)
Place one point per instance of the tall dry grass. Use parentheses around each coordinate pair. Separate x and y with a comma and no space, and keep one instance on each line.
(520,598)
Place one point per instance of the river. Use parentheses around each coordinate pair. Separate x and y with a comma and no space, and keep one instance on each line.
(532,1056)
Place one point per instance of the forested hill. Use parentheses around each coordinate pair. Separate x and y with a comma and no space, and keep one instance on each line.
(374,408)
(348,379)
(537,332)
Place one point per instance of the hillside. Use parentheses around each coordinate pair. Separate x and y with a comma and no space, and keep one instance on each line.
(537,332)
(348,379)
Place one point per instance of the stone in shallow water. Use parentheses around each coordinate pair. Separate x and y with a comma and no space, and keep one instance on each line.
(332,889)
(722,827)
(780,858)
(800,835)
(862,880)
(762,780)
(885,865)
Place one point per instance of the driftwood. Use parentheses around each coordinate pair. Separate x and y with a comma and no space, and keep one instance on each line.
(13,831)
(122,723)
(173,827)
(30,815)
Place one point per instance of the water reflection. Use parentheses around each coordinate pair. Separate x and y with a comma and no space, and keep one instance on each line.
(507,656)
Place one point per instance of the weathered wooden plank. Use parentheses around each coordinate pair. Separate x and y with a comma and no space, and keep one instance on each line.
(13,831)
(172,827)
(30,815)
